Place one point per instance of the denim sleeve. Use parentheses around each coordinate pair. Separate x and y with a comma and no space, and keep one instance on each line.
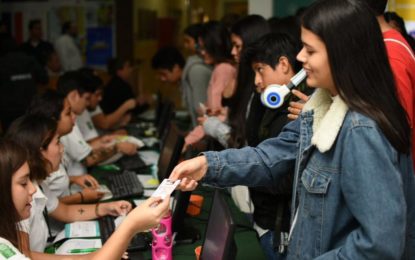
(372,188)
(260,166)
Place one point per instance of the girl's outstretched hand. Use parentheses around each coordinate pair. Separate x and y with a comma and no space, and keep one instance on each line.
(190,172)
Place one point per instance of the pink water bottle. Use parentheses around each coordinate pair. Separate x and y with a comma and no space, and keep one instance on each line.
(162,240)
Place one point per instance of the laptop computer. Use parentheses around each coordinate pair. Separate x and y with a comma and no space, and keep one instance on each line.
(140,241)
(124,184)
(219,242)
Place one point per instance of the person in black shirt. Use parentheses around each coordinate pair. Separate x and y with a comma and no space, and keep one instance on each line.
(35,46)
(19,76)
(118,90)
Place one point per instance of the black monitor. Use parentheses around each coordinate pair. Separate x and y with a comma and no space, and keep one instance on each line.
(167,114)
(169,157)
(219,242)
(170,152)
(159,107)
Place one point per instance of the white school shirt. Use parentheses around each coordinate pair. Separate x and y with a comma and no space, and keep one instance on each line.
(38,229)
(96,111)
(86,126)
(58,182)
(9,252)
(76,149)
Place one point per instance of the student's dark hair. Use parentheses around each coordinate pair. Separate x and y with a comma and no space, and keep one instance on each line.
(166,58)
(216,39)
(48,104)
(193,30)
(249,27)
(69,82)
(229,19)
(34,133)
(115,64)
(13,156)
(270,48)
(289,25)
(393,16)
(66,26)
(360,71)
(32,23)
(89,80)
(46,55)
(377,6)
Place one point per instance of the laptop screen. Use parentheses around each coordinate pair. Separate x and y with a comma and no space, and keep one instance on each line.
(218,241)
(170,152)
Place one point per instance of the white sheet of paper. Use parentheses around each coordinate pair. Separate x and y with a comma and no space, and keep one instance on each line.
(59,236)
(150,141)
(107,192)
(82,229)
(78,244)
(149,157)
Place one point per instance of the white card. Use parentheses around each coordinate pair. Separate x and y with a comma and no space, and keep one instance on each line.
(165,188)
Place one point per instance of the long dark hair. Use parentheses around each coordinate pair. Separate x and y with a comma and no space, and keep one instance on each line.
(48,104)
(217,41)
(34,132)
(13,156)
(393,16)
(250,29)
(359,64)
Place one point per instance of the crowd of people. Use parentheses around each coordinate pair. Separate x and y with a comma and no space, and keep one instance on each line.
(327,175)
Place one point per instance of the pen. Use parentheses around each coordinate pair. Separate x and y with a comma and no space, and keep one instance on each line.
(84,250)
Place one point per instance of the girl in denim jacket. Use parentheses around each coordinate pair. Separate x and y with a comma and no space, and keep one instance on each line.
(354,189)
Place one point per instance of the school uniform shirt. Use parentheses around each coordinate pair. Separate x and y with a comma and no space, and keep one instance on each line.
(9,252)
(86,126)
(38,228)
(58,182)
(96,111)
(24,225)
(76,149)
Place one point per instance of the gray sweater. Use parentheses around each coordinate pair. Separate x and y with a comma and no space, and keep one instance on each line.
(194,84)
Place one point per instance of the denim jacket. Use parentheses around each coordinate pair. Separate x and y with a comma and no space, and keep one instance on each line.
(354,193)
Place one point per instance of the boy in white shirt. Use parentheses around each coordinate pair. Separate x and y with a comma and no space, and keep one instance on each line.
(78,153)
(50,104)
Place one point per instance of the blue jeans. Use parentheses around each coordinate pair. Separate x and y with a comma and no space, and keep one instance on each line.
(267,244)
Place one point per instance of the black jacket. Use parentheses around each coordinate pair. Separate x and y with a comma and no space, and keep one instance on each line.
(19,76)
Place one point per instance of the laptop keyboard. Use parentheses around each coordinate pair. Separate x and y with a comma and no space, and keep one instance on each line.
(107,227)
(124,185)
(131,163)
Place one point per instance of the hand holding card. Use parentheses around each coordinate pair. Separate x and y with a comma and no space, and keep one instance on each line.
(165,188)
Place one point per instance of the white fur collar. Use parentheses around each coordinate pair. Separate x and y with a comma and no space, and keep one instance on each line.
(328,117)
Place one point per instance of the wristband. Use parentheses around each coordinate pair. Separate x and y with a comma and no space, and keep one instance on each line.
(96,210)
(82,196)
